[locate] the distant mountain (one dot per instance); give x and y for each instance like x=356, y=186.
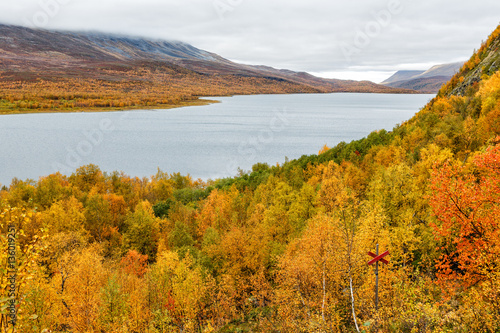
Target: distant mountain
x=442, y=70
x=429, y=85
x=429, y=81
x=402, y=76
x=32, y=55
x=93, y=46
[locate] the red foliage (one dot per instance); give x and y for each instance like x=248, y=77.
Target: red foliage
x=467, y=203
x=135, y=263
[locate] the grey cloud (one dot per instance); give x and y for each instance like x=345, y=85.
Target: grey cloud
x=299, y=35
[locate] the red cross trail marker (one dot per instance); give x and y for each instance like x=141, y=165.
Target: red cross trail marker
x=376, y=258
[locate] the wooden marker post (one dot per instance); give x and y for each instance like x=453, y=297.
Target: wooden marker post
x=376, y=258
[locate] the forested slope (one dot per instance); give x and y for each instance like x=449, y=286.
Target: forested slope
x=281, y=248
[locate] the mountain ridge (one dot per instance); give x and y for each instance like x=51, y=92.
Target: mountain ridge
x=177, y=71
x=425, y=81
x=402, y=75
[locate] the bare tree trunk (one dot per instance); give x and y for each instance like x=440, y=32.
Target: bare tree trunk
x=349, y=247
x=324, y=292
x=352, y=302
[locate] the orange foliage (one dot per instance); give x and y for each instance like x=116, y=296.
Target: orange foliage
x=135, y=263
x=144, y=86
x=324, y=149
x=467, y=204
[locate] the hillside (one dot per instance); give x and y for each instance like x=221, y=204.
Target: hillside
x=484, y=63
x=429, y=81
x=75, y=71
x=429, y=85
x=282, y=248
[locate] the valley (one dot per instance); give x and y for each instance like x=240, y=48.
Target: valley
x=43, y=71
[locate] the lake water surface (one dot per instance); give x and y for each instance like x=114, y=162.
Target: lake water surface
x=209, y=141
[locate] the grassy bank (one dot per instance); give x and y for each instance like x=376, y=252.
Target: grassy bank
x=196, y=102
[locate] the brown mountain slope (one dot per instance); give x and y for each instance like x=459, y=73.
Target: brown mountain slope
x=430, y=85
x=52, y=70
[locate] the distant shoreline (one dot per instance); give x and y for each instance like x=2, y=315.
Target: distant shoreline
x=199, y=101
x=195, y=102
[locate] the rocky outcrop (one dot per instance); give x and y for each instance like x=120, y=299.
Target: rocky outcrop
x=489, y=63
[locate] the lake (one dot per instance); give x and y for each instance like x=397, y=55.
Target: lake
x=209, y=141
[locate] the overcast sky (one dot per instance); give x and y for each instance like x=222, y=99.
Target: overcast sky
x=358, y=39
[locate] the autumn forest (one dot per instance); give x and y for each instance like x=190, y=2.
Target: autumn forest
x=280, y=248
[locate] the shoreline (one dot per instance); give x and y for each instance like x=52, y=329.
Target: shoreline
x=199, y=101
x=195, y=102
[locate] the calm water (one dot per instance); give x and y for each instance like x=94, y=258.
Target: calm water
x=205, y=141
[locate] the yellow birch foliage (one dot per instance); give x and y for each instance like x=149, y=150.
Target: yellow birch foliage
x=19, y=268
